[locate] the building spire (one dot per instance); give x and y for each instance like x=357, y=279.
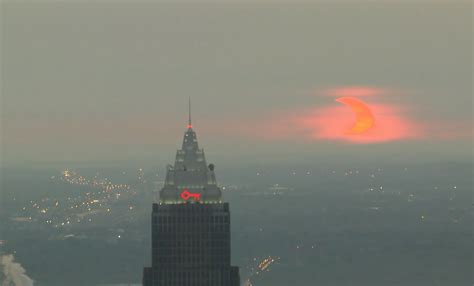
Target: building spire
x=190, y=125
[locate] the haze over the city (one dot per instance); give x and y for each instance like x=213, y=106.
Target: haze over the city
x=110, y=81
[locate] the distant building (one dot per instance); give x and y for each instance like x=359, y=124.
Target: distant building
x=190, y=225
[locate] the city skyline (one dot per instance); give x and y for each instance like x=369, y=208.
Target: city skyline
x=338, y=134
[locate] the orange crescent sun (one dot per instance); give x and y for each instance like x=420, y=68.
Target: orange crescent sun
x=364, y=117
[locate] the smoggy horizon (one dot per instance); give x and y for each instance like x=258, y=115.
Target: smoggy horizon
x=109, y=82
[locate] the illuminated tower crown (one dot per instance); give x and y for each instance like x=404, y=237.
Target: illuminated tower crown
x=190, y=179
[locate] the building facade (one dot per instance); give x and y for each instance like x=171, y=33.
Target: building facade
x=191, y=225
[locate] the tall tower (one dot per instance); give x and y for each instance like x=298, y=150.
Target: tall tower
x=190, y=225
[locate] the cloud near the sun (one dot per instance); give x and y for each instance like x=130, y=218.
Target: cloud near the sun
x=332, y=122
x=352, y=91
x=326, y=123
x=329, y=120
x=320, y=119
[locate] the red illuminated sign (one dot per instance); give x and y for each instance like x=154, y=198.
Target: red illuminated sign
x=186, y=195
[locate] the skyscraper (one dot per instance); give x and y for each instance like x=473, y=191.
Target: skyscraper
x=190, y=225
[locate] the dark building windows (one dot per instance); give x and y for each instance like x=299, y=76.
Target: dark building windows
x=191, y=246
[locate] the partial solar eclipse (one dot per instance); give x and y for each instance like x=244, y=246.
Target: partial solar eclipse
x=364, y=117
x=372, y=120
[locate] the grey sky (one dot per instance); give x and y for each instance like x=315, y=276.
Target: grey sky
x=110, y=81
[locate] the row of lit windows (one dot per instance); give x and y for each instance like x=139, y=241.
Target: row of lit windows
x=182, y=187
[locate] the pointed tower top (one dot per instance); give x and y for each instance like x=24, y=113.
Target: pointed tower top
x=190, y=125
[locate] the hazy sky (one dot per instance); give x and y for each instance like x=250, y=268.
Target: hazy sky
x=110, y=81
